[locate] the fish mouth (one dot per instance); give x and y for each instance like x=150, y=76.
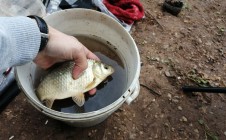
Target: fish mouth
x=112, y=70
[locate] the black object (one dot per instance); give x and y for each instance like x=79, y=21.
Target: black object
x=77, y=4
x=43, y=29
x=204, y=89
x=6, y=78
x=46, y=2
x=173, y=6
x=10, y=92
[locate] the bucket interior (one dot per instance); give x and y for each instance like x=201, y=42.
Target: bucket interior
x=87, y=23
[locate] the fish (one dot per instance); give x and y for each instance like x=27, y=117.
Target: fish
x=59, y=83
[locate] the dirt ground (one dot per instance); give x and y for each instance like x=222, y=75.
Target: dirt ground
x=189, y=49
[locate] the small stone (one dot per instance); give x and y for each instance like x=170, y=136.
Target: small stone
x=156, y=136
x=172, y=129
x=175, y=100
x=166, y=124
x=132, y=136
x=165, y=46
x=141, y=132
x=157, y=58
x=176, y=35
x=199, y=40
x=177, y=97
x=218, y=78
x=144, y=42
x=208, y=43
x=186, y=21
x=167, y=73
x=11, y=137
x=169, y=95
x=46, y=122
x=153, y=58
x=216, y=84
x=134, y=115
x=180, y=108
x=225, y=133
x=196, y=131
x=190, y=29
x=89, y=134
x=184, y=119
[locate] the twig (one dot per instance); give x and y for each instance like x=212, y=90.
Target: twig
x=155, y=20
x=222, y=97
x=151, y=90
x=104, y=136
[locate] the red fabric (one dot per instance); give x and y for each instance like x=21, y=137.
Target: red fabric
x=126, y=10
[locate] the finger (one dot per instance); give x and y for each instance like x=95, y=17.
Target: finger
x=91, y=55
x=93, y=91
x=80, y=64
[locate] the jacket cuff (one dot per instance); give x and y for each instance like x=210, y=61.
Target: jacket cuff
x=26, y=39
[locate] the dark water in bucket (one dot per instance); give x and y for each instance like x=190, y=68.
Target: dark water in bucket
x=109, y=90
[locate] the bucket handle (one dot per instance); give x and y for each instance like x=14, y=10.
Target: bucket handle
x=134, y=94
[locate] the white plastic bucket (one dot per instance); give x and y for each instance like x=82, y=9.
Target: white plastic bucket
x=87, y=22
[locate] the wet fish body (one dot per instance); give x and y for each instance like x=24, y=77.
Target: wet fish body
x=59, y=84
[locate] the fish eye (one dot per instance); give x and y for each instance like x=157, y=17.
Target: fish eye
x=106, y=67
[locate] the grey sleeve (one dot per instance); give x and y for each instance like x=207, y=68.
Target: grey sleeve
x=19, y=41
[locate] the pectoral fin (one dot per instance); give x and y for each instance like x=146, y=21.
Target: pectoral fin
x=79, y=99
x=92, y=84
x=48, y=103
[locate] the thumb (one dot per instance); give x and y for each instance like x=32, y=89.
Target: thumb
x=80, y=65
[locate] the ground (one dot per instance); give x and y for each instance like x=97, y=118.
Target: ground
x=176, y=51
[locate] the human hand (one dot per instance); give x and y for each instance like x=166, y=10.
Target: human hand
x=62, y=47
